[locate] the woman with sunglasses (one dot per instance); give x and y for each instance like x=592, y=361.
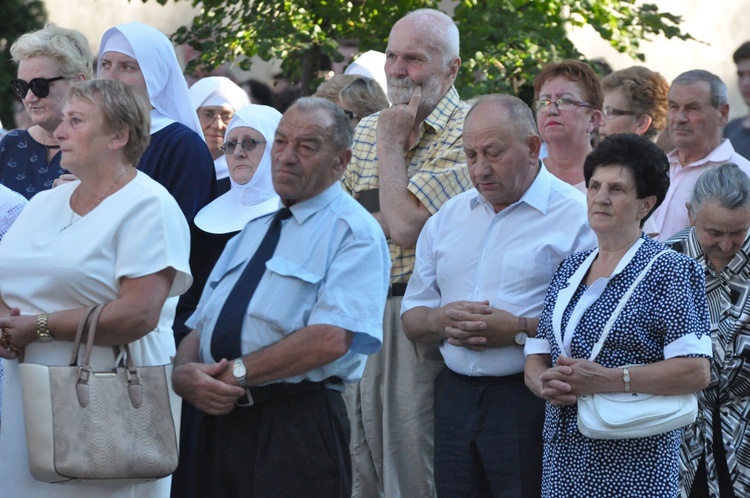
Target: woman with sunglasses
x=49, y=61
x=567, y=102
x=358, y=96
x=215, y=99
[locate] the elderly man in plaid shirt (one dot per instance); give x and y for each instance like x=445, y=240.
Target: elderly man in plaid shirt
x=407, y=162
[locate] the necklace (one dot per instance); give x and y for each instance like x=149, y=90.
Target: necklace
x=74, y=200
x=48, y=147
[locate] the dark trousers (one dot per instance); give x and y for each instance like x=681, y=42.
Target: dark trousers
x=296, y=446
x=488, y=437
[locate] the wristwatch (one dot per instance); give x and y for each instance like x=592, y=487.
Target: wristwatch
x=240, y=372
x=521, y=336
x=42, y=332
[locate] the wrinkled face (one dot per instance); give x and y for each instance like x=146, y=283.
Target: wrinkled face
x=121, y=67
x=694, y=124
x=243, y=164
x=412, y=59
x=743, y=77
x=304, y=160
x=214, y=120
x=721, y=231
x=44, y=112
x=501, y=163
x=613, y=203
x=618, y=122
x=83, y=141
x=562, y=126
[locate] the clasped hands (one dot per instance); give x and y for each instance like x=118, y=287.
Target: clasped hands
x=16, y=333
x=570, y=378
x=210, y=387
x=477, y=325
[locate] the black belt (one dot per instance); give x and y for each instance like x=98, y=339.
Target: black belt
x=262, y=394
x=397, y=290
x=490, y=379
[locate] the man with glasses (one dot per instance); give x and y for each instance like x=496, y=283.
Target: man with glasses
x=698, y=111
x=407, y=161
x=283, y=323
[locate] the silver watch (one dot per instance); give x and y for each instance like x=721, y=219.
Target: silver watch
x=240, y=373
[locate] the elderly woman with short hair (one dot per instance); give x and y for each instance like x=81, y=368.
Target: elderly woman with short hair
x=49, y=61
x=719, y=239
x=658, y=344
x=635, y=101
x=114, y=236
x=358, y=96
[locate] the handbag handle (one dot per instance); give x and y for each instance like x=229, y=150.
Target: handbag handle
x=79, y=333
x=85, y=372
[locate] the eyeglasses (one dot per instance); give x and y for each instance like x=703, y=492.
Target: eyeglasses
x=248, y=145
x=38, y=86
x=610, y=112
x=210, y=116
x=350, y=114
x=563, y=104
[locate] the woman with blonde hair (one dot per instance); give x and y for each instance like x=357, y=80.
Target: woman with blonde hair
x=49, y=61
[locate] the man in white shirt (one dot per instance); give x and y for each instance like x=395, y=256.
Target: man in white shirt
x=698, y=111
x=484, y=262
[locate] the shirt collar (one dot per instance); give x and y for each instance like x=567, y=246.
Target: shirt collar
x=440, y=116
x=536, y=196
x=305, y=209
x=721, y=154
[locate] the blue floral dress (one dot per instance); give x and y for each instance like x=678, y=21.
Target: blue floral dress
x=23, y=164
x=668, y=304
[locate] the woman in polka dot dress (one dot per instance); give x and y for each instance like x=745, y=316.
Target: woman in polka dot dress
x=663, y=329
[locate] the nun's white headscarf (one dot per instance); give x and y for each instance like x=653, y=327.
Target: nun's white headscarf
x=218, y=90
x=166, y=85
x=243, y=203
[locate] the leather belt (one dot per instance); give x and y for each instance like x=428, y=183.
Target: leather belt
x=397, y=290
x=279, y=390
x=489, y=379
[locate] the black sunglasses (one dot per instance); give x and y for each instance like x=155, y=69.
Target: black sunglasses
x=38, y=86
x=248, y=145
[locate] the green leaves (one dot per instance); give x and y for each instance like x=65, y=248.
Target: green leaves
x=504, y=43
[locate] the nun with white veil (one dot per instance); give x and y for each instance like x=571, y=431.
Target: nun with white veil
x=215, y=99
x=177, y=157
x=247, y=141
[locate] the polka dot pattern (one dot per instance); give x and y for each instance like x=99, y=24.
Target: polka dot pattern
x=668, y=304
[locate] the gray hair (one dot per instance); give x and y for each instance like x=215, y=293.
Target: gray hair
x=519, y=113
x=67, y=46
x=440, y=28
x=719, y=95
x=340, y=130
x=726, y=185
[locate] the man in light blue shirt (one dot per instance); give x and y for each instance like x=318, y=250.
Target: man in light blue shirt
x=276, y=423
x=484, y=263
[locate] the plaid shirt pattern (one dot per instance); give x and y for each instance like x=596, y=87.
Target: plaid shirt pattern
x=436, y=167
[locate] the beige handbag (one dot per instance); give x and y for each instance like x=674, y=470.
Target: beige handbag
x=119, y=425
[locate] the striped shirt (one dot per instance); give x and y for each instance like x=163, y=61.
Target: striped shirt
x=436, y=166
x=729, y=388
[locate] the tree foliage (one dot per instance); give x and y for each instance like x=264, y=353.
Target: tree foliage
x=503, y=42
x=19, y=17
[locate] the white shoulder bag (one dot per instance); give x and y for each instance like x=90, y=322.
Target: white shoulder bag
x=629, y=415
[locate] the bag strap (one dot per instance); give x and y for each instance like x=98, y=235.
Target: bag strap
x=91, y=333
x=79, y=334
x=623, y=301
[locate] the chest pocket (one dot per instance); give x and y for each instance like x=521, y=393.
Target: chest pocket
x=525, y=273
x=286, y=295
